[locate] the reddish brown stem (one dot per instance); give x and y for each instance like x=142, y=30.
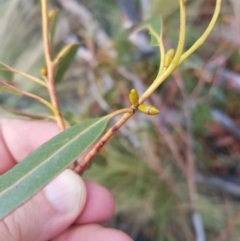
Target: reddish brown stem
x=50, y=66
x=83, y=165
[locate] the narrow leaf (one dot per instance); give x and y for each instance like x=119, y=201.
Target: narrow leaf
x=26, y=114
x=14, y=90
x=5, y=87
x=64, y=59
x=30, y=77
x=36, y=170
x=154, y=25
x=53, y=17
x=6, y=75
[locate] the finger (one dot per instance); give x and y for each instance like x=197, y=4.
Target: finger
x=92, y=232
x=48, y=213
x=99, y=206
x=24, y=136
x=18, y=138
x=7, y=160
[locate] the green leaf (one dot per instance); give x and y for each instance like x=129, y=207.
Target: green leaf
x=6, y=74
x=24, y=114
x=100, y=160
x=53, y=17
x=64, y=59
x=36, y=170
x=156, y=25
x=153, y=25
x=6, y=88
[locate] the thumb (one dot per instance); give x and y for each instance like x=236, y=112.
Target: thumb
x=48, y=213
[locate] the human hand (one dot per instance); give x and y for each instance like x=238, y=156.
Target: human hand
x=67, y=209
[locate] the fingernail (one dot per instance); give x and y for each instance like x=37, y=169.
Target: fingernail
x=66, y=193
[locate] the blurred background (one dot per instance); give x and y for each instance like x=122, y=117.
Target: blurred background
x=175, y=176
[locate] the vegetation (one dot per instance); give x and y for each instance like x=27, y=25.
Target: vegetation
x=163, y=170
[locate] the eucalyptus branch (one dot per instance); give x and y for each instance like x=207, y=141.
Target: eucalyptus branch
x=203, y=38
x=159, y=80
x=87, y=132
x=164, y=72
x=50, y=66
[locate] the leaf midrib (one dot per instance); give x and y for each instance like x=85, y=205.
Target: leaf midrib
x=51, y=156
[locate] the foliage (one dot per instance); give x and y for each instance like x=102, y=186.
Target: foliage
x=37, y=169
x=146, y=171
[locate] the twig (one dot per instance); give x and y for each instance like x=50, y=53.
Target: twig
x=175, y=62
x=83, y=165
x=30, y=95
x=202, y=39
x=27, y=76
x=158, y=81
x=50, y=65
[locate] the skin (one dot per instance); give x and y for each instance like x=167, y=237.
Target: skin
x=77, y=219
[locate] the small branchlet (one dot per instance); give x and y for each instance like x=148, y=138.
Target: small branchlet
x=169, y=62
